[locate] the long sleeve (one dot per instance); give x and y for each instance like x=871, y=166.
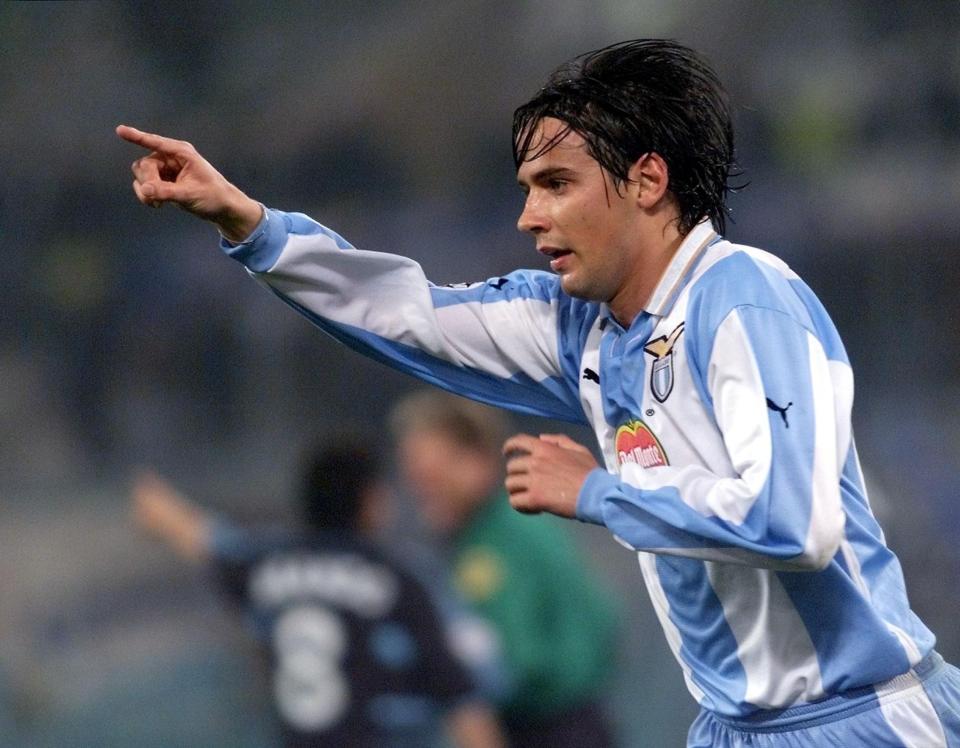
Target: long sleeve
x=495, y=341
x=782, y=412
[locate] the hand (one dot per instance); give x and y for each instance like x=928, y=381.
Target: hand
x=173, y=172
x=162, y=512
x=546, y=473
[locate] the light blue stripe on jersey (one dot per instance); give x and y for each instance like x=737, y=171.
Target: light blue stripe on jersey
x=624, y=385
x=520, y=284
x=659, y=519
x=704, y=633
x=737, y=281
x=833, y=601
x=829, y=601
x=823, y=326
x=878, y=566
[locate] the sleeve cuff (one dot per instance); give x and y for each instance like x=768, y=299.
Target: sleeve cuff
x=598, y=485
x=261, y=250
x=224, y=540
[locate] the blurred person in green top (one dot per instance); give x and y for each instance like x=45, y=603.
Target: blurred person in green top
x=524, y=574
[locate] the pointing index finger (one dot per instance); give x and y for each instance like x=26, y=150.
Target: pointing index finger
x=148, y=140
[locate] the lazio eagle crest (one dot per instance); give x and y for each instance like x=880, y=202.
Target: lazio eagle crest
x=661, y=374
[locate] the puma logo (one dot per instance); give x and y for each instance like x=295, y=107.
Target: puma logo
x=782, y=411
x=499, y=283
x=591, y=376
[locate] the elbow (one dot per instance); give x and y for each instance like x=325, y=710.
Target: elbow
x=817, y=558
x=819, y=550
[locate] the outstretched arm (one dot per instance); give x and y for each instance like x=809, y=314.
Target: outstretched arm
x=162, y=512
x=173, y=172
x=502, y=342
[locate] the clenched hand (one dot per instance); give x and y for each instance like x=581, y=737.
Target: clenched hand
x=546, y=473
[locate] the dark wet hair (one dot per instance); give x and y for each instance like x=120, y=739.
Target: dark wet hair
x=336, y=474
x=637, y=97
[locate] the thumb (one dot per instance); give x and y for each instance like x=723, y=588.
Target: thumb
x=161, y=192
x=564, y=441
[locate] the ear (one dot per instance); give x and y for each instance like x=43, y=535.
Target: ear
x=651, y=177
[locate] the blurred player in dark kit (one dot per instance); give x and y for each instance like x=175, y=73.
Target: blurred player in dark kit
x=358, y=653
x=555, y=623
x=716, y=384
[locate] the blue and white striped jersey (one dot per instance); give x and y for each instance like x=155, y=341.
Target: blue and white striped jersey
x=723, y=413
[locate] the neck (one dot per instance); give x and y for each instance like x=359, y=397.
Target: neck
x=651, y=263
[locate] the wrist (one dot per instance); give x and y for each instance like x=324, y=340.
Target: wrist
x=240, y=217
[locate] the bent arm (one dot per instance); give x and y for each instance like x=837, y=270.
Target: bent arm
x=780, y=506
x=495, y=341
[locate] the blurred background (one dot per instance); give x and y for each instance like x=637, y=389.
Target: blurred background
x=128, y=339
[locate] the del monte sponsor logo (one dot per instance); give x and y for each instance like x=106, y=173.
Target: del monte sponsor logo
x=636, y=443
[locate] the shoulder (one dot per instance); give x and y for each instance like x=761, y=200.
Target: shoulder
x=518, y=285
x=735, y=276
x=732, y=275
x=750, y=281
x=532, y=285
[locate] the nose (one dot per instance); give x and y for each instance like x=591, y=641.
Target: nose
x=532, y=218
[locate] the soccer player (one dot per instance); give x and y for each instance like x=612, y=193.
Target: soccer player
x=556, y=625
x=357, y=651
x=717, y=386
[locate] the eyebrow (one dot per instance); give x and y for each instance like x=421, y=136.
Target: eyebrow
x=546, y=174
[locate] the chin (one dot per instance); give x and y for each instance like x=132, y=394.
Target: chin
x=577, y=290
x=570, y=286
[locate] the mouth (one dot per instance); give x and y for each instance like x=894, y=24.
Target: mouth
x=558, y=257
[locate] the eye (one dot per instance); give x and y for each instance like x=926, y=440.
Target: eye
x=556, y=185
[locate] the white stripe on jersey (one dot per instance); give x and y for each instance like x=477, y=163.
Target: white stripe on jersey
x=826, y=512
x=748, y=434
x=779, y=670
x=318, y=275
x=476, y=343
x=648, y=567
x=591, y=395
x=841, y=379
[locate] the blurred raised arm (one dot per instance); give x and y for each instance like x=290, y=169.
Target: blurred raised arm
x=162, y=512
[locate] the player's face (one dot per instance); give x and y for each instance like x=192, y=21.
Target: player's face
x=586, y=226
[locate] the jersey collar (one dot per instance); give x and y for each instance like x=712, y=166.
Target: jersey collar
x=675, y=277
